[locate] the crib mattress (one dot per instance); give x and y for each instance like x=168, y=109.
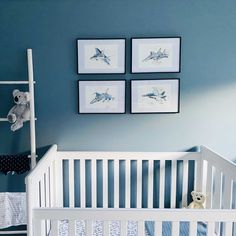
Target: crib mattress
x=114, y=228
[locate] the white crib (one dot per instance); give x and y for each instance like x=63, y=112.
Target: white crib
x=59, y=173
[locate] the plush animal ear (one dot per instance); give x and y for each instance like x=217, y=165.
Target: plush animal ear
x=27, y=96
x=192, y=193
x=15, y=91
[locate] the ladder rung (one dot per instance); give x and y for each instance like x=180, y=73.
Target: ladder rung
x=14, y=232
x=15, y=82
x=5, y=119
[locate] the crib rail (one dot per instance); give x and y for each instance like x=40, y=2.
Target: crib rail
x=158, y=216
x=220, y=176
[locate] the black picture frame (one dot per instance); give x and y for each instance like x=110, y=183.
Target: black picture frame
x=177, y=45
x=103, y=82
x=101, y=41
x=150, y=83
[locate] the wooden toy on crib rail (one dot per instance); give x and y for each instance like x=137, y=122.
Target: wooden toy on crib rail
x=198, y=200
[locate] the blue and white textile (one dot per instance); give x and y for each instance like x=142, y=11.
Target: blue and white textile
x=114, y=228
x=12, y=209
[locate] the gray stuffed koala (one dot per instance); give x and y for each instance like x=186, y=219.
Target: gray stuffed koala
x=21, y=111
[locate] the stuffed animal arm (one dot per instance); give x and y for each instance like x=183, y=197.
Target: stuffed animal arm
x=198, y=200
x=20, y=113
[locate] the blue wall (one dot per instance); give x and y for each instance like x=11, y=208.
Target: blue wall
x=208, y=77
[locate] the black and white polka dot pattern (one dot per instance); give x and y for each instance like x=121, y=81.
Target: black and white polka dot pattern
x=18, y=164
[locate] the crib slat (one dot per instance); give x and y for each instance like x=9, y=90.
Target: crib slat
x=175, y=228
x=59, y=184
x=123, y=228
x=127, y=183
x=150, y=184
x=47, y=188
x=47, y=197
x=54, y=227
x=218, y=190
x=116, y=183
x=94, y=182
x=71, y=183
x=158, y=228
x=52, y=187
x=106, y=228
x=198, y=176
x=89, y=227
x=72, y=230
x=141, y=228
x=162, y=184
x=43, y=200
x=82, y=184
x=173, y=183
x=35, y=189
x=185, y=183
x=139, y=184
x=209, y=186
x=192, y=228
x=228, y=228
x=105, y=183
x=210, y=228
x=38, y=228
x=228, y=193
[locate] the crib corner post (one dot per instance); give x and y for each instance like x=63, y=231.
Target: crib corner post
x=29, y=207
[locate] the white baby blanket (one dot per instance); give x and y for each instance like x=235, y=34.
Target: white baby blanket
x=12, y=209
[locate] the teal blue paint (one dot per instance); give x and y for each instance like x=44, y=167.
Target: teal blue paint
x=208, y=85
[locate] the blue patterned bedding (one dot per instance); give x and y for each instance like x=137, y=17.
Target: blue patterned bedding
x=114, y=228
x=184, y=229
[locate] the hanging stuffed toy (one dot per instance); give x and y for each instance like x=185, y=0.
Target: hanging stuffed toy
x=21, y=111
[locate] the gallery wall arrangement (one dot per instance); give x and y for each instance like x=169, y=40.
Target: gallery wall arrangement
x=51, y=29
x=148, y=55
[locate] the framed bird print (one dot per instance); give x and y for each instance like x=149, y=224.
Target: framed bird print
x=156, y=55
x=155, y=96
x=101, y=96
x=101, y=56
